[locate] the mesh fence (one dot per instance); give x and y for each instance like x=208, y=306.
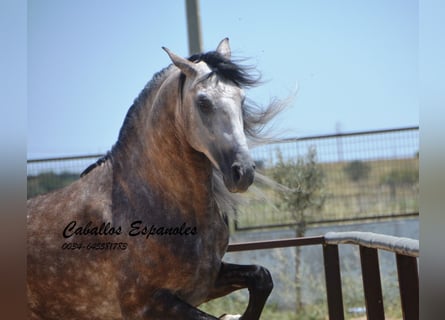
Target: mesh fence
x=366, y=174
x=45, y=175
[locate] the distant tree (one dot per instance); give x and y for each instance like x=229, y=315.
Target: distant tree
x=357, y=170
x=305, y=180
x=399, y=178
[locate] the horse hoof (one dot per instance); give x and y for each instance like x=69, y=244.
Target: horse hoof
x=230, y=317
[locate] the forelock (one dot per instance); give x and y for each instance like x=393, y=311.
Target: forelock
x=227, y=69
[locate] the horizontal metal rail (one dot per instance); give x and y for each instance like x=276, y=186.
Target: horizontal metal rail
x=347, y=134
x=404, y=246
x=284, y=140
x=331, y=221
x=400, y=245
x=273, y=244
x=66, y=158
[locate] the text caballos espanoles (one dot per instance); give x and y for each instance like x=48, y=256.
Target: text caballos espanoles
x=137, y=228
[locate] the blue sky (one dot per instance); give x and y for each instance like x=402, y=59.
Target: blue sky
x=355, y=63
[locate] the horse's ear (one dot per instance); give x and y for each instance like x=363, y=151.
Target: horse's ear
x=224, y=48
x=185, y=65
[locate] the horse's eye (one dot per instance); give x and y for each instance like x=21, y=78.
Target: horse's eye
x=204, y=105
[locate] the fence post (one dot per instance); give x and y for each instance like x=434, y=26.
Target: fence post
x=408, y=286
x=372, y=285
x=333, y=282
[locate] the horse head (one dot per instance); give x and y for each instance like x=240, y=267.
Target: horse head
x=211, y=109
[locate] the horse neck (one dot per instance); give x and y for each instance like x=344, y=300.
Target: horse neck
x=157, y=155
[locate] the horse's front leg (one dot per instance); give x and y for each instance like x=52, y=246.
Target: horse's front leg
x=255, y=278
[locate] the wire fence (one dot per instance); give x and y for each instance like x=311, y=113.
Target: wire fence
x=45, y=175
x=365, y=175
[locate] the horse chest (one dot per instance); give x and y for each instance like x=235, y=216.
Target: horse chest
x=186, y=264
x=200, y=262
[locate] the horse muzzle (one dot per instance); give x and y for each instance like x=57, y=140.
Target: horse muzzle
x=240, y=175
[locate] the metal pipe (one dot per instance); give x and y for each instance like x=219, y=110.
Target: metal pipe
x=193, y=26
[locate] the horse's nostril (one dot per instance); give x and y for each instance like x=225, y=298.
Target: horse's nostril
x=236, y=173
x=241, y=176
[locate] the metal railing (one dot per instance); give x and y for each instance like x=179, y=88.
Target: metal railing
x=406, y=252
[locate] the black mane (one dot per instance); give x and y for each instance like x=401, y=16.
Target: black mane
x=227, y=69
